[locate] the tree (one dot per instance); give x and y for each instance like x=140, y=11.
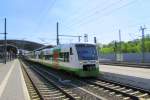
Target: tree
x=127, y=47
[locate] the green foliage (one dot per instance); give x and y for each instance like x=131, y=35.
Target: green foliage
x=147, y=45
x=126, y=47
x=107, y=50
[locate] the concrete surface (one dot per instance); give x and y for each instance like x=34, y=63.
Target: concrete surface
x=139, y=77
x=12, y=85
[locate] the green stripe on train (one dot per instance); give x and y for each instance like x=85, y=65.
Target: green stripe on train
x=77, y=71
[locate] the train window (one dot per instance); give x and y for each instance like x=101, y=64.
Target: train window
x=71, y=53
x=61, y=56
x=51, y=57
x=66, y=57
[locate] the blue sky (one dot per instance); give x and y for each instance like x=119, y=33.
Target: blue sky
x=36, y=19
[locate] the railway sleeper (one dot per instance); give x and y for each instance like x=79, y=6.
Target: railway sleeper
x=34, y=93
x=119, y=95
x=121, y=89
x=134, y=93
x=100, y=88
x=111, y=85
x=34, y=96
x=106, y=90
x=96, y=87
x=112, y=93
x=46, y=88
x=142, y=95
x=69, y=92
x=126, y=98
x=77, y=97
x=53, y=98
x=128, y=90
x=103, y=84
x=36, y=99
x=66, y=99
x=51, y=92
x=115, y=87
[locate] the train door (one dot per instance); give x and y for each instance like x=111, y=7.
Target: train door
x=55, y=58
x=72, y=57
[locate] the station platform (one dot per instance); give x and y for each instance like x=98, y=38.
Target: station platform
x=139, y=77
x=12, y=84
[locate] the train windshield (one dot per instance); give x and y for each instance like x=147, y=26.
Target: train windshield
x=86, y=52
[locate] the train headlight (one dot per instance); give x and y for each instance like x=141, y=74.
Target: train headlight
x=81, y=62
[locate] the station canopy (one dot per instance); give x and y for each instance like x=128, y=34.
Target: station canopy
x=23, y=44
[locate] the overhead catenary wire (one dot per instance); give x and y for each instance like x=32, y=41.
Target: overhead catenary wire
x=80, y=11
x=1, y=25
x=43, y=15
x=105, y=14
x=95, y=12
x=79, y=16
x=132, y=37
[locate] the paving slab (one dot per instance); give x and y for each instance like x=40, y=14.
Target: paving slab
x=4, y=69
x=12, y=84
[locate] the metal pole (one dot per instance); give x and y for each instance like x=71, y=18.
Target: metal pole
x=95, y=40
x=143, y=44
x=5, y=43
x=120, y=51
x=85, y=38
x=57, y=29
x=115, y=50
x=79, y=38
x=120, y=41
x=23, y=47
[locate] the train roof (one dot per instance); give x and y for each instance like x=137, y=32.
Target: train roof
x=44, y=47
x=77, y=43
x=60, y=45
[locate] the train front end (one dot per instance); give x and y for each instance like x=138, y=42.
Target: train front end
x=88, y=60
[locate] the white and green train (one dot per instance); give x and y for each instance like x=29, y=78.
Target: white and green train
x=78, y=58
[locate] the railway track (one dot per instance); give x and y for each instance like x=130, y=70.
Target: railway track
x=102, y=87
x=126, y=92
x=33, y=92
x=75, y=91
x=42, y=88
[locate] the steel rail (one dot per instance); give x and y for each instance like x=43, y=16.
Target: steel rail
x=56, y=86
x=125, y=85
x=105, y=86
x=36, y=89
